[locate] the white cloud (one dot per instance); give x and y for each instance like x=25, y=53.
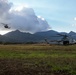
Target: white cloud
x=74, y=22
x=75, y=18
x=22, y=18
x=41, y=17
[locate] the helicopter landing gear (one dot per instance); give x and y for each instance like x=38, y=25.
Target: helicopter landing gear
x=65, y=42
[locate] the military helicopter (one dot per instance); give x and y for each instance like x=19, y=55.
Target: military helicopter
x=6, y=25
x=65, y=39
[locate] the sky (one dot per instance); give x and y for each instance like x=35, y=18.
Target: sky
x=38, y=15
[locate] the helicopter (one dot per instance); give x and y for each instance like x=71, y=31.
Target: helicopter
x=6, y=25
x=65, y=39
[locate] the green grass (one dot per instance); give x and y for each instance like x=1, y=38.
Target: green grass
x=37, y=59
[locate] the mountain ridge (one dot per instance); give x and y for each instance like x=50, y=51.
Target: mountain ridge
x=23, y=37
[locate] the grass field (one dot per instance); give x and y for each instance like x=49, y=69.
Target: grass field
x=37, y=59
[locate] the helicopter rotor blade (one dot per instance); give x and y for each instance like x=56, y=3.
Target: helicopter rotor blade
x=3, y=23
